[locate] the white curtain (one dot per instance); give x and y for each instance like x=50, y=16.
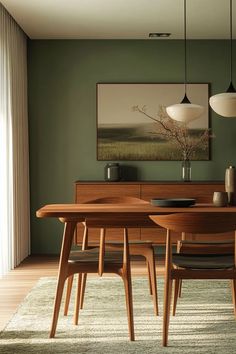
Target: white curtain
x=14, y=155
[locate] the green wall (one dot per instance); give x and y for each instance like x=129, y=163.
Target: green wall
x=62, y=79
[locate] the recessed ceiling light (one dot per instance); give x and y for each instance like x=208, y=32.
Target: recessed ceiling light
x=159, y=35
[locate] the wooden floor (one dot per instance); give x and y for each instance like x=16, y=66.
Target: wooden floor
x=15, y=285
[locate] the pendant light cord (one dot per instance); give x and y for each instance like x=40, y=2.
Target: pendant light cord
x=185, y=50
x=231, y=43
x=231, y=86
x=185, y=99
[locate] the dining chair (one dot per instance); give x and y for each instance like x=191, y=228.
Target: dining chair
x=200, y=247
x=136, y=247
x=194, y=266
x=89, y=261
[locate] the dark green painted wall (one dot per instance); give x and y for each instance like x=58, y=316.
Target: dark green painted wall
x=62, y=113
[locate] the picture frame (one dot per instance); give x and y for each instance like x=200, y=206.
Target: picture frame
x=126, y=130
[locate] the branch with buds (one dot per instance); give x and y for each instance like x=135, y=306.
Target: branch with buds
x=177, y=133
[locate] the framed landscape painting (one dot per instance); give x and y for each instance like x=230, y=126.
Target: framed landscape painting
x=130, y=117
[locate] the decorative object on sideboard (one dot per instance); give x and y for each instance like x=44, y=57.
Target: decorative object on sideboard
x=112, y=172
x=220, y=199
x=185, y=111
x=224, y=104
x=186, y=170
x=230, y=184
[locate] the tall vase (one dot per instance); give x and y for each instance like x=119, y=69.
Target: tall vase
x=186, y=170
x=230, y=184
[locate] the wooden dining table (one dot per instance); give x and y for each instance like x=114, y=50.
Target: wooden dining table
x=133, y=215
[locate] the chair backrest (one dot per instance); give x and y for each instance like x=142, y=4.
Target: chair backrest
x=201, y=247
x=120, y=221
x=197, y=222
x=117, y=200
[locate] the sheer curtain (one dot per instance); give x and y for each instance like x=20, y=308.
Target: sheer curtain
x=14, y=160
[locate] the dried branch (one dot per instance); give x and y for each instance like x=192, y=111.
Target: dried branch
x=175, y=132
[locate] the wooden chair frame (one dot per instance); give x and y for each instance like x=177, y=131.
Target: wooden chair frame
x=68, y=269
x=185, y=246
x=145, y=249
x=200, y=223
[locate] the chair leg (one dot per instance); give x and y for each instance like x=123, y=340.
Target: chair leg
x=101, y=252
x=84, y=278
x=152, y=269
x=233, y=284
x=149, y=278
x=168, y=287
x=129, y=304
x=180, y=287
x=183, y=237
x=176, y=294
x=77, y=299
x=166, y=314
x=68, y=294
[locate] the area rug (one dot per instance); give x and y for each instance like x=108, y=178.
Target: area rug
x=204, y=322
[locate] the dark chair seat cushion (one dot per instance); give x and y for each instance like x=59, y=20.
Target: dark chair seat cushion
x=201, y=261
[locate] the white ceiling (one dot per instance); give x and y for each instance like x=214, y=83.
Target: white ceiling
x=121, y=19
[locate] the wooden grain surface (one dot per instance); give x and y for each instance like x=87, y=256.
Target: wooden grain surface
x=82, y=211
x=202, y=191
x=133, y=216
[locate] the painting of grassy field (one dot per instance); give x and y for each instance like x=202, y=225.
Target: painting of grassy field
x=140, y=142
x=132, y=123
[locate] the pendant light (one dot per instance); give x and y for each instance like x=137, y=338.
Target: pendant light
x=224, y=104
x=185, y=111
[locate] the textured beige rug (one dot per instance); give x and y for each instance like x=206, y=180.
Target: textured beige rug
x=204, y=322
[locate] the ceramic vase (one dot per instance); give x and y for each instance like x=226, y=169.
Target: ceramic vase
x=230, y=185
x=186, y=170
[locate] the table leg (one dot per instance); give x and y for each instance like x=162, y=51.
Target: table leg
x=63, y=271
x=101, y=252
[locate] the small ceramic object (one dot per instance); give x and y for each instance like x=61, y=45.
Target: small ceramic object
x=220, y=199
x=112, y=172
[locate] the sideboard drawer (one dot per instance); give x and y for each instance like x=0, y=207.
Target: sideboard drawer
x=86, y=192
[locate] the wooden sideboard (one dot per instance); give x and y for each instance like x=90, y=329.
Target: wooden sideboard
x=201, y=191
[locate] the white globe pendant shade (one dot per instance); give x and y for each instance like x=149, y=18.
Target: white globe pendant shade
x=185, y=112
x=224, y=104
